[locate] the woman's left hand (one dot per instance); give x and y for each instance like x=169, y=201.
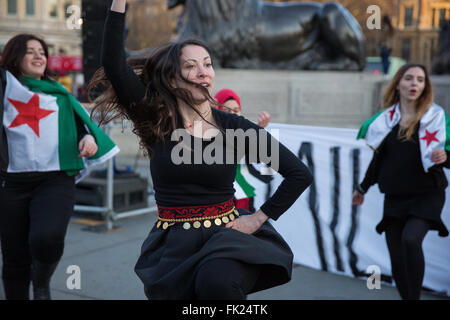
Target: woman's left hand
x=439, y=156
x=263, y=119
x=87, y=146
x=249, y=223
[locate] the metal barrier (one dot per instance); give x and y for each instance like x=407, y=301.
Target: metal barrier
x=108, y=211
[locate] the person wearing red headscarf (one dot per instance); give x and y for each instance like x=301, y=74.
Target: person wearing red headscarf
x=229, y=102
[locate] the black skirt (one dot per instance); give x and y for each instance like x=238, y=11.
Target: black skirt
x=426, y=206
x=170, y=258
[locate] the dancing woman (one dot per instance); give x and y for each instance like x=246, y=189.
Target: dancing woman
x=201, y=247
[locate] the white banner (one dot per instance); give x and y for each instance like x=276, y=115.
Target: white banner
x=323, y=229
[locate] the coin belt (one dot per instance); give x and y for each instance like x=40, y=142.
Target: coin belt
x=199, y=221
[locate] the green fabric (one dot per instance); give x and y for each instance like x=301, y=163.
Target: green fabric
x=366, y=124
x=447, y=131
x=67, y=107
x=248, y=189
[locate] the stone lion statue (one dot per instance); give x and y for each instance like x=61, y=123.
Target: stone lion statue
x=265, y=35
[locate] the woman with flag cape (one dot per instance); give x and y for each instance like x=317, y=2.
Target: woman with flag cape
x=230, y=102
x=411, y=142
x=46, y=140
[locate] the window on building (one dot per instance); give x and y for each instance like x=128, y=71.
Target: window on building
x=408, y=17
x=12, y=6
x=30, y=7
x=432, y=44
x=441, y=16
x=53, y=8
x=51, y=49
x=406, y=49
x=67, y=4
x=433, y=17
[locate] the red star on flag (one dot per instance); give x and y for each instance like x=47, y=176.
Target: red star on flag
x=430, y=137
x=392, y=112
x=29, y=113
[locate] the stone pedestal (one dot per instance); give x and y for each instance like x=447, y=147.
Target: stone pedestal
x=328, y=99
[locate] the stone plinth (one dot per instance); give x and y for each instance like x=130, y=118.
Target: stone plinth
x=329, y=99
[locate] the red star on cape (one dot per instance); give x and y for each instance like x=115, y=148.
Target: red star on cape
x=392, y=112
x=29, y=113
x=430, y=137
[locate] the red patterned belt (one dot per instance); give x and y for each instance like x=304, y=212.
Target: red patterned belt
x=199, y=215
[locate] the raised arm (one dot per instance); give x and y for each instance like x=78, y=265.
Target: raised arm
x=127, y=85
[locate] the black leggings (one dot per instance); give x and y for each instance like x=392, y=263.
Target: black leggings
x=225, y=279
x=404, y=241
x=34, y=214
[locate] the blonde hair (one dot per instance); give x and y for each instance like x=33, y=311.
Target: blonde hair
x=423, y=103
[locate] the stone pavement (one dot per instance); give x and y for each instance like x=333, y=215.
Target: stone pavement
x=106, y=262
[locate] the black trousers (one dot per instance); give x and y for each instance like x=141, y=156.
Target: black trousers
x=35, y=210
x=225, y=279
x=404, y=240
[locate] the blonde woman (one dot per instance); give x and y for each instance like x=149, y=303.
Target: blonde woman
x=411, y=139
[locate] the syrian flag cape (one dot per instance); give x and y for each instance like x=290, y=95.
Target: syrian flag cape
x=39, y=120
x=243, y=189
x=434, y=130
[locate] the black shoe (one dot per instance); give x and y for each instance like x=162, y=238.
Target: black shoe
x=16, y=289
x=41, y=274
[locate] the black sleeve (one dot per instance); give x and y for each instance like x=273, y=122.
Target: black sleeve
x=446, y=164
x=297, y=177
x=371, y=174
x=127, y=85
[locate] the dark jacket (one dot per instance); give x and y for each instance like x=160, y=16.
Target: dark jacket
x=3, y=141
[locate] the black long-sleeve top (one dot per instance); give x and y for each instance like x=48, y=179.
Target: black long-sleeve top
x=397, y=168
x=196, y=184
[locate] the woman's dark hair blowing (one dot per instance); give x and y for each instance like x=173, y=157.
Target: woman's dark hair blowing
x=156, y=115
x=14, y=51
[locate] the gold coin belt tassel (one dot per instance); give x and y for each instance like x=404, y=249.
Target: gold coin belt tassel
x=196, y=223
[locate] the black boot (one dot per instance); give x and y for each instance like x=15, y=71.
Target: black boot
x=41, y=274
x=16, y=289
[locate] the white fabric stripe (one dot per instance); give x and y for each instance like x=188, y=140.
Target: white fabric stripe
x=239, y=193
x=90, y=163
x=27, y=151
x=381, y=126
x=433, y=120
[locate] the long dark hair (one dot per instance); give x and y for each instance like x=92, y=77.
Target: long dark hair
x=156, y=115
x=423, y=103
x=14, y=51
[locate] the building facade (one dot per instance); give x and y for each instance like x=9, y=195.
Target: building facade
x=48, y=19
x=417, y=27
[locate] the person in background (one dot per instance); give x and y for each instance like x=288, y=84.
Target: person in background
x=45, y=139
x=65, y=80
x=411, y=139
x=230, y=102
